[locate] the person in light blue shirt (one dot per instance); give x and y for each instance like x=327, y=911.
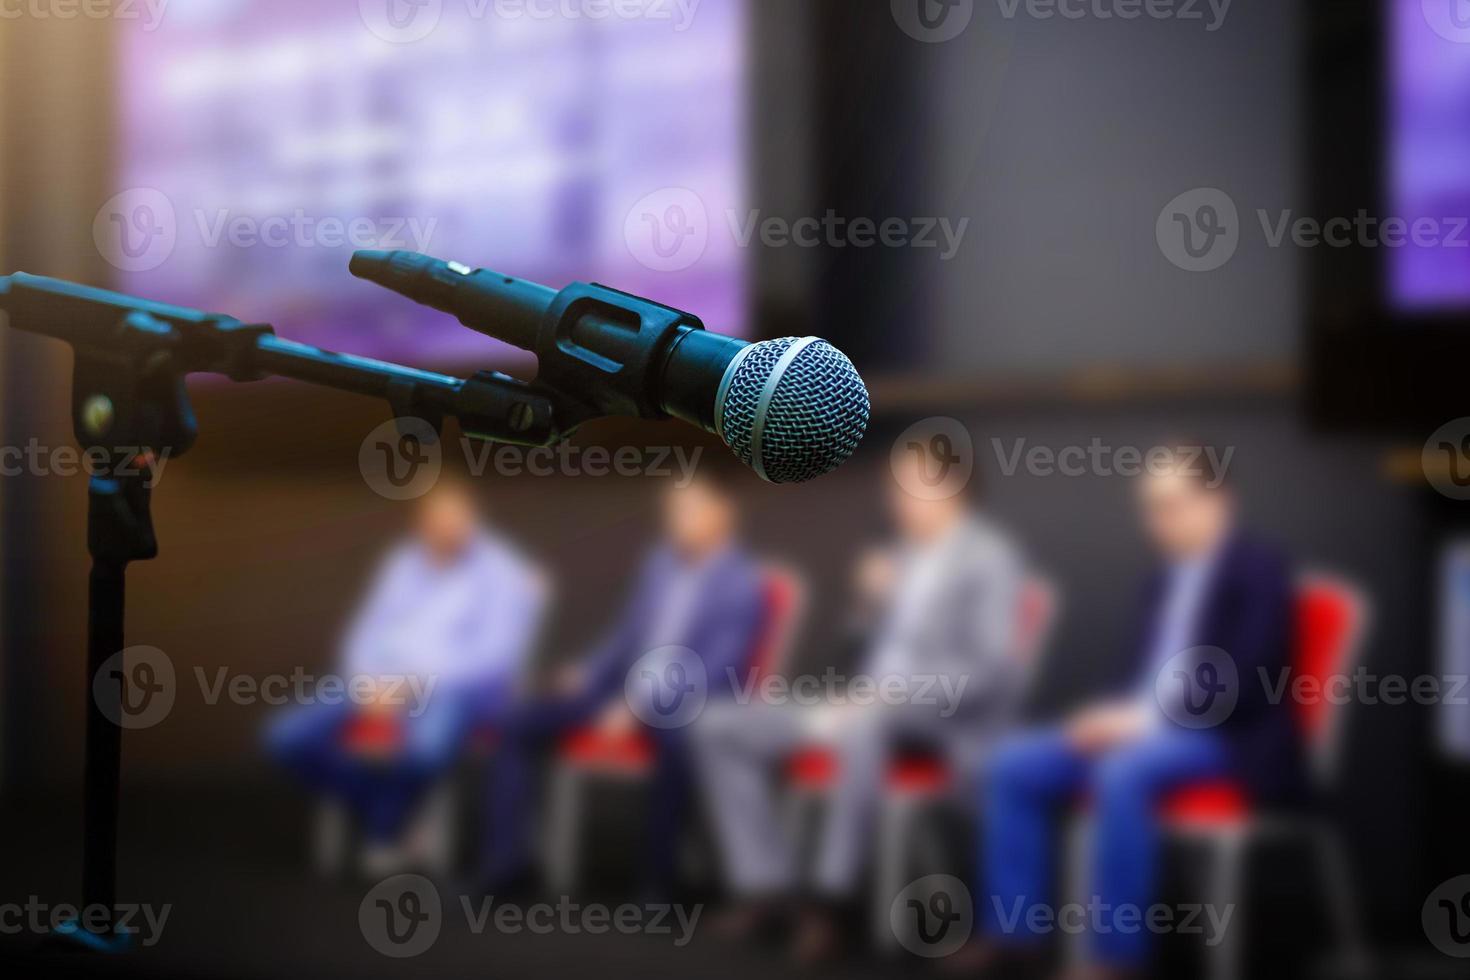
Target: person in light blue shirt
x=438, y=647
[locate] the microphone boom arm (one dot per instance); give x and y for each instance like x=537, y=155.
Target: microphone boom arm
x=130, y=350
x=129, y=401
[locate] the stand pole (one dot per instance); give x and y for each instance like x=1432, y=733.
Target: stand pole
x=119, y=530
x=104, y=739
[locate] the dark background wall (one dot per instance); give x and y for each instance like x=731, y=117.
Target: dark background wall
x=1062, y=140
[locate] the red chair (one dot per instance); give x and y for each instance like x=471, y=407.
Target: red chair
x=588, y=754
x=811, y=770
x=433, y=827
x=916, y=782
x=913, y=781
x=372, y=734
x=1331, y=616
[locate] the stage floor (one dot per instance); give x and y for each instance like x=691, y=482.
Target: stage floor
x=230, y=862
x=231, y=865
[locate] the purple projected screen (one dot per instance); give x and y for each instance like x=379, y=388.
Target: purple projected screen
x=1429, y=155
x=264, y=141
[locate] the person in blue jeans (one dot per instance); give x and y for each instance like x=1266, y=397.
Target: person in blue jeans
x=1216, y=613
x=699, y=590
x=438, y=646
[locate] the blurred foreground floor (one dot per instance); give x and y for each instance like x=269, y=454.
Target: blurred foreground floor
x=234, y=868
x=232, y=863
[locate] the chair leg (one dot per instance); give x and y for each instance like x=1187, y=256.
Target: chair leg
x=932, y=851
x=563, y=862
x=895, y=819
x=1075, y=882
x=439, y=826
x=1226, y=891
x=330, y=838
x=1342, y=900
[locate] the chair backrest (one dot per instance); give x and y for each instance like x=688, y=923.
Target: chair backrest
x=785, y=604
x=372, y=733
x=1331, y=618
x=1038, y=605
x=1038, y=602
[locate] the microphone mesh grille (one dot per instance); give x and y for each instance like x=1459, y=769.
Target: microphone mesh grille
x=816, y=416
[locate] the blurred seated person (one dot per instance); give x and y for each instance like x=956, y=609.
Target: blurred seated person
x=699, y=589
x=1217, y=586
x=438, y=646
x=938, y=611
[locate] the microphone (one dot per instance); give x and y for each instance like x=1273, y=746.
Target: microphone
x=791, y=409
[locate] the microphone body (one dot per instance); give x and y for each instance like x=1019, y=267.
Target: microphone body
x=792, y=409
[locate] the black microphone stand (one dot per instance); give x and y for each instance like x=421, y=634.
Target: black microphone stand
x=129, y=402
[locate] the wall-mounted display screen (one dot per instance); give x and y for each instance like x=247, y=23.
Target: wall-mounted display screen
x=263, y=142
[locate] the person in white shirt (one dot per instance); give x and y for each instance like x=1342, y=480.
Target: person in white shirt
x=438, y=646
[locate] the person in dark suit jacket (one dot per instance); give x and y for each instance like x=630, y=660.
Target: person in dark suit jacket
x=697, y=608
x=1217, y=613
